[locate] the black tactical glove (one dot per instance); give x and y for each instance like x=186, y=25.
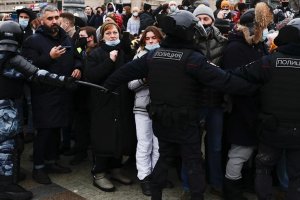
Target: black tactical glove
x=44, y=77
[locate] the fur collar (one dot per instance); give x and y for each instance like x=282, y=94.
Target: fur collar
x=263, y=17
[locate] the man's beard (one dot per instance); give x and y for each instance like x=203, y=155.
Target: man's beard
x=54, y=29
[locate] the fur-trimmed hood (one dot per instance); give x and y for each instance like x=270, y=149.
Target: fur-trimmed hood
x=263, y=17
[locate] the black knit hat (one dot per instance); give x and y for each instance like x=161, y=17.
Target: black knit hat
x=247, y=19
x=289, y=33
x=147, y=6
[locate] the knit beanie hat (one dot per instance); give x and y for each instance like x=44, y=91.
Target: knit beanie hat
x=225, y=3
x=204, y=10
x=199, y=2
x=247, y=19
x=147, y=6
x=289, y=33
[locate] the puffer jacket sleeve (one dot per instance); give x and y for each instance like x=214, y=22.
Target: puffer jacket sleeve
x=136, y=85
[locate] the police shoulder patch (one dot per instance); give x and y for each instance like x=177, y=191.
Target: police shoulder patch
x=288, y=62
x=168, y=54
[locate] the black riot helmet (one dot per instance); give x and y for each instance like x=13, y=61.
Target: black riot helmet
x=181, y=24
x=289, y=33
x=10, y=33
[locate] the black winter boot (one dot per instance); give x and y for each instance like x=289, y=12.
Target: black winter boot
x=233, y=189
x=12, y=191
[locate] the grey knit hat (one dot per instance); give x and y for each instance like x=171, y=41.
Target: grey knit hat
x=204, y=10
x=199, y=2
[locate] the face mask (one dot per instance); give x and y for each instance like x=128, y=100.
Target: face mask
x=200, y=30
x=265, y=34
x=135, y=14
x=152, y=46
x=185, y=7
x=111, y=9
x=23, y=22
x=205, y=26
x=209, y=30
x=112, y=43
x=124, y=12
x=173, y=8
x=81, y=42
x=285, y=4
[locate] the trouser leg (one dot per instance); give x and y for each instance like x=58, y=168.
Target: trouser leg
x=266, y=158
x=160, y=171
x=192, y=160
x=237, y=156
x=144, y=145
x=103, y=164
x=45, y=146
x=213, y=155
x=293, y=170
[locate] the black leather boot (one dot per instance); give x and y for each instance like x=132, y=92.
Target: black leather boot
x=145, y=185
x=12, y=191
x=233, y=189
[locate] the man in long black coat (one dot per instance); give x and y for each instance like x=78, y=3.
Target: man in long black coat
x=51, y=106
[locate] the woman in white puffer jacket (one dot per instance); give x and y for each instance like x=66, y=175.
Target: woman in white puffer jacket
x=147, y=145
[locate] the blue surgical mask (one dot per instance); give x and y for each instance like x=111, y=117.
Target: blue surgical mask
x=173, y=9
x=265, y=34
x=112, y=43
x=152, y=46
x=23, y=22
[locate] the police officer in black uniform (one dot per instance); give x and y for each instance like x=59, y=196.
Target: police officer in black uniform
x=14, y=69
x=175, y=72
x=280, y=117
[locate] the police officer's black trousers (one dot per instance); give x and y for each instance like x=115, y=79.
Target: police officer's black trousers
x=191, y=158
x=266, y=159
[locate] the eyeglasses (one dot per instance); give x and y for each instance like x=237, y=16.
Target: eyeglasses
x=51, y=18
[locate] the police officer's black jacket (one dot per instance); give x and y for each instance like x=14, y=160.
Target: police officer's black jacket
x=175, y=72
x=280, y=107
x=195, y=66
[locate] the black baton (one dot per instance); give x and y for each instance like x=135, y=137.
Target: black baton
x=95, y=86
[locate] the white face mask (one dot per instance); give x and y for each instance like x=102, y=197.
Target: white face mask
x=124, y=12
x=152, y=46
x=173, y=9
x=265, y=34
x=135, y=14
x=112, y=43
x=23, y=22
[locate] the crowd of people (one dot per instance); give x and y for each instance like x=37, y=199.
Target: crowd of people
x=172, y=76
